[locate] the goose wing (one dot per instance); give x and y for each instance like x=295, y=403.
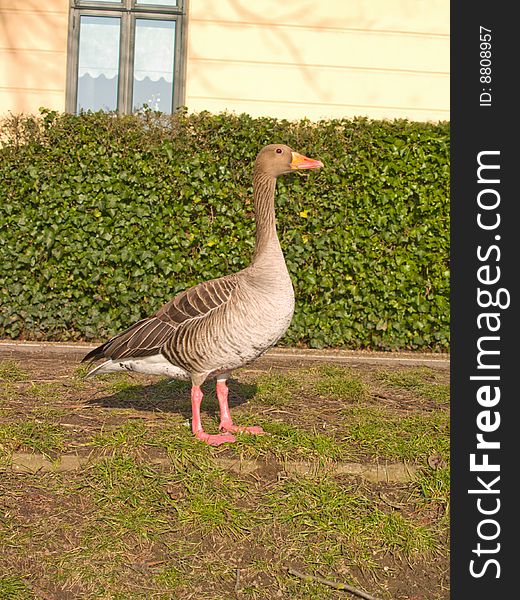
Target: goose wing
x=146, y=337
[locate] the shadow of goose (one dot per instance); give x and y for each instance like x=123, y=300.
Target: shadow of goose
x=172, y=397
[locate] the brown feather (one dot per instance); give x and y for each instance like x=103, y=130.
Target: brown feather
x=146, y=337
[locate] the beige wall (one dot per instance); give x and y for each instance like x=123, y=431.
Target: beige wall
x=33, y=54
x=320, y=58
x=290, y=58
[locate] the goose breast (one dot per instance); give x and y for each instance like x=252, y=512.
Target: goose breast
x=258, y=314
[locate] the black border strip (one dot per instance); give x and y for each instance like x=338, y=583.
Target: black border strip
x=483, y=128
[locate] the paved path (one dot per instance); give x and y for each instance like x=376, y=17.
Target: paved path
x=275, y=356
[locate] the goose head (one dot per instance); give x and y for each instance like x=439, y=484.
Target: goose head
x=277, y=159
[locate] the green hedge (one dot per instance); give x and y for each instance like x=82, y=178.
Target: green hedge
x=105, y=217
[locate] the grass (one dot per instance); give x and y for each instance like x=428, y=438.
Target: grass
x=331, y=526
x=96, y=565
x=129, y=526
x=432, y=487
x=10, y=370
x=43, y=391
x=170, y=576
x=130, y=495
x=285, y=440
x=275, y=389
x=419, y=380
x=379, y=432
x=13, y=588
x=207, y=507
x=39, y=436
x=135, y=497
x=184, y=451
x=335, y=509
x=132, y=434
x=318, y=506
x=340, y=384
x=120, y=383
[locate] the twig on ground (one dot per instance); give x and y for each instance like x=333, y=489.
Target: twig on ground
x=237, y=582
x=338, y=586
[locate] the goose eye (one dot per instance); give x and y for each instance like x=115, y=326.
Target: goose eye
x=278, y=151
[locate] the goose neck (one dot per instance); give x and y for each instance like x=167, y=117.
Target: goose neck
x=263, y=194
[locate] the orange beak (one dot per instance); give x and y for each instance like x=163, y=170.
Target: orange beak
x=302, y=162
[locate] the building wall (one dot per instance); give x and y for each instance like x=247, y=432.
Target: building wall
x=291, y=59
x=329, y=58
x=33, y=54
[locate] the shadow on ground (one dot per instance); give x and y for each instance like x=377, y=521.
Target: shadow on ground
x=172, y=397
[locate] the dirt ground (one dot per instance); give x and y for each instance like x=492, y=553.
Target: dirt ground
x=104, y=493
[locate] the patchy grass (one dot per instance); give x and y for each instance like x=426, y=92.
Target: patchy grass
x=14, y=588
x=432, y=487
x=132, y=434
x=285, y=440
x=275, y=389
x=120, y=384
x=153, y=513
x=80, y=371
x=170, y=576
x=40, y=436
x=340, y=384
x=10, y=370
x=130, y=495
x=209, y=499
x=334, y=508
x=379, y=432
x=44, y=392
x=419, y=380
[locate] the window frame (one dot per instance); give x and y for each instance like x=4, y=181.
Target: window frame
x=128, y=11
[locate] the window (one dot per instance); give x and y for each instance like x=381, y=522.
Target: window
x=124, y=55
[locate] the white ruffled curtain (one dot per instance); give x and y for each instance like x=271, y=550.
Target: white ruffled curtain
x=98, y=70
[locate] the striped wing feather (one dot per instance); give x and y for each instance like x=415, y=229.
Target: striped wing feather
x=147, y=337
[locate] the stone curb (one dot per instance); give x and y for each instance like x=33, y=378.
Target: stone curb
x=399, y=472
x=283, y=355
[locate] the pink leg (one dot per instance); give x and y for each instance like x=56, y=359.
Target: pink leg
x=226, y=424
x=196, y=424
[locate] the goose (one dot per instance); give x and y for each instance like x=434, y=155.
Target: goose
x=219, y=325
